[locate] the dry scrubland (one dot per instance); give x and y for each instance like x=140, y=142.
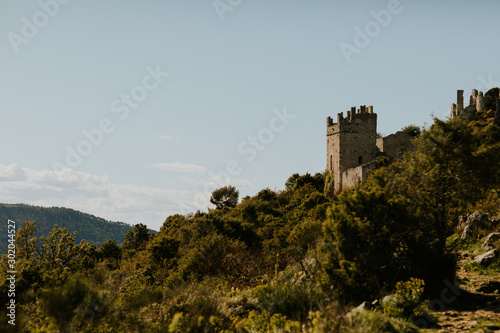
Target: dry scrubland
x=378, y=258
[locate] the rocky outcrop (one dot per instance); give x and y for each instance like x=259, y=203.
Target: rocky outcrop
x=490, y=241
x=487, y=258
x=469, y=224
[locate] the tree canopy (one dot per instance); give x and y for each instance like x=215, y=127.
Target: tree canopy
x=226, y=196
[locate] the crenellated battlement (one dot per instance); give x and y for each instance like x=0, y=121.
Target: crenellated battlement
x=353, y=119
x=352, y=145
x=478, y=102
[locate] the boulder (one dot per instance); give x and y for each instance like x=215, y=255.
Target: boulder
x=466, y=232
x=471, y=223
x=486, y=258
x=392, y=300
x=360, y=308
x=490, y=240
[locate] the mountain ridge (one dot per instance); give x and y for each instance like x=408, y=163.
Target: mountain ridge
x=93, y=229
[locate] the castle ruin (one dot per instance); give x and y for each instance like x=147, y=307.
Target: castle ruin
x=352, y=146
x=478, y=102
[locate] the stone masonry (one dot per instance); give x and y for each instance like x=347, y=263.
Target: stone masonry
x=478, y=102
x=352, y=146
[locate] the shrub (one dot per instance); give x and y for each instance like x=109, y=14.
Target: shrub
x=406, y=300
x=372, y=240
x=266, y=323
x=61, y=302
x=294, y=299
x=376, y=322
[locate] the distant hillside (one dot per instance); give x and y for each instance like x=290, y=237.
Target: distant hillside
x=89, y=227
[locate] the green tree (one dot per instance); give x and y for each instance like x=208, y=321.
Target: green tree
x=61, y=302
x=329, y=189
x=290, y=182
x=26, y=243
x=57, y=255
x=136, y=239
x=372, y=241
x=226, y=196
x=452, y=157
x=163, y=247
x=296, y=181
x=88, y=255
x=412, y=130
x=110, y=249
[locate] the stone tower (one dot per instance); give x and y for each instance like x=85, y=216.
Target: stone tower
x=351, y=142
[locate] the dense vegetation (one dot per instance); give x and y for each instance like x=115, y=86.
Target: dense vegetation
x=93, y=229
x=281, y=261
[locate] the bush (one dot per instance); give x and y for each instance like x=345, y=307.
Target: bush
x=407, y=299
x=61, y=302
x=266, y=323
x=294, y=299
x=217, y=256
x=376, y=322
x=372, y=240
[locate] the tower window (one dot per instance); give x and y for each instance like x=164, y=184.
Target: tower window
x=360, y=159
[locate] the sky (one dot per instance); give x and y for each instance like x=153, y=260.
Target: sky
x=137, y=110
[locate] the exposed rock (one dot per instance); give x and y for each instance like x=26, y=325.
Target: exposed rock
x=392, y=300
x=360, y=308
x=467, y=232
x=486, y=258
x=490, y=240
x=472, y=223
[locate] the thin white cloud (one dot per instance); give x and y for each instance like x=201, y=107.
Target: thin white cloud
x=12, y=172
x=180, y=167
x=95, y=195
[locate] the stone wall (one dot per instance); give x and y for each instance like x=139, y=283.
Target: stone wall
x=477, y=103
x=354, y=176
x=352, y=146
x=351, y=141
x=394, y=145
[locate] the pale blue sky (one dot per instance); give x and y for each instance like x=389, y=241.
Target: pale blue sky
x=225, y=79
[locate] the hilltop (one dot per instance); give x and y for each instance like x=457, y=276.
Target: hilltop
x=93, y=229
x=414, y=246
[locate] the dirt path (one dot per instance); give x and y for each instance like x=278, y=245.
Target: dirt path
x=477, y=309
